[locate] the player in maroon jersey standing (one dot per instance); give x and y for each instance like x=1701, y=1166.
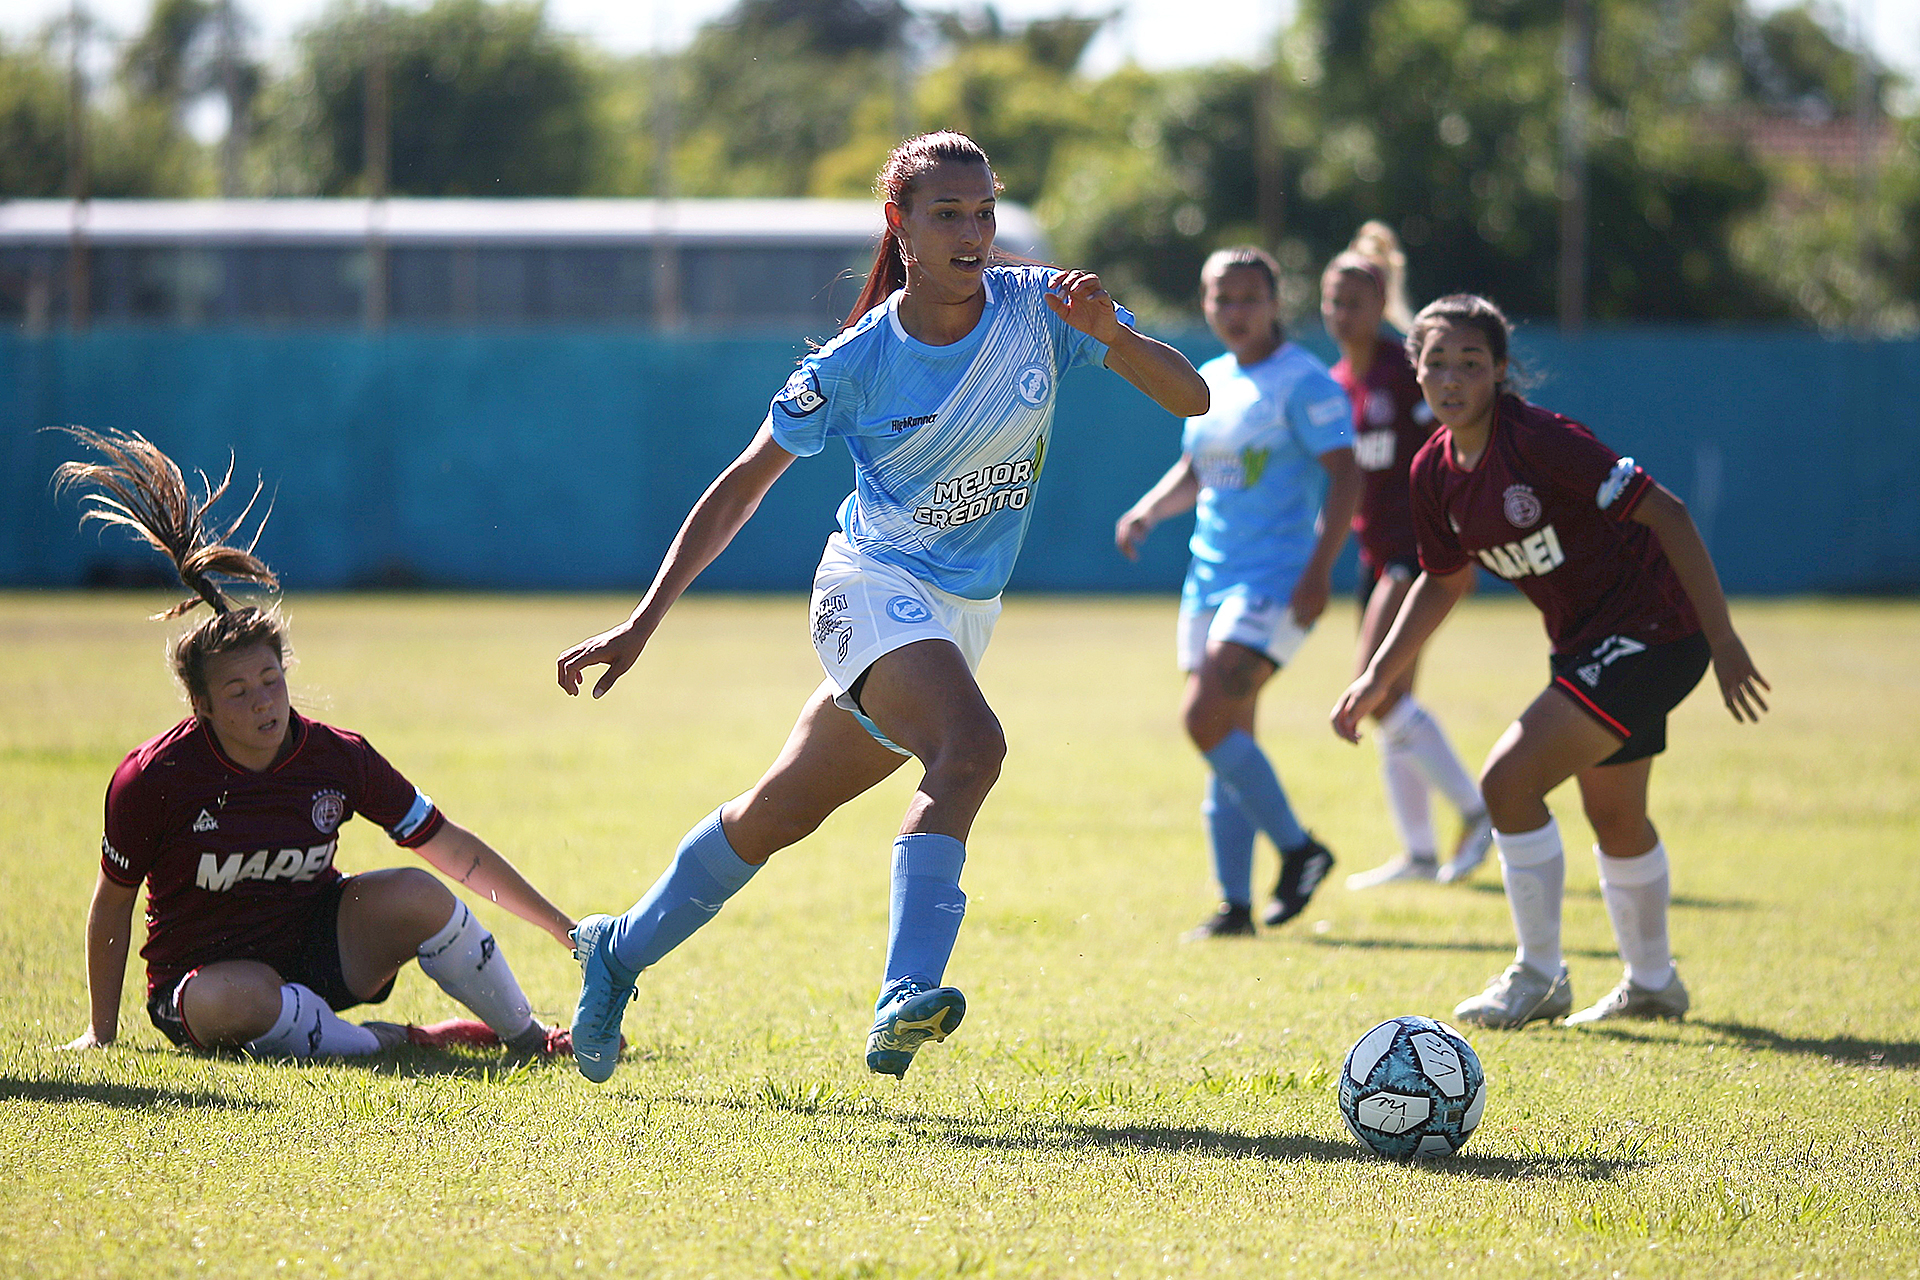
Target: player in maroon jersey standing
x=1361, y=288
x=254, y=939
x=1634, y=612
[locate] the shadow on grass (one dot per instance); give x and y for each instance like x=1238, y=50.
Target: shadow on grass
x=1016, y=1132
x=1691, y=901
x=1418, y=944
x=129, y=1097
x=1847, y=1051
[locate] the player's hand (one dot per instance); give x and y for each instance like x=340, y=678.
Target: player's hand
x=1740, y=681
x=616, y=650
x=1078, y=298
x=1129, y=532
x=84, y=1041
x=1360, y=700
x=1309, y=599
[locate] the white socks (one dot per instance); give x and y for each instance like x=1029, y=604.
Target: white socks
x=1534, y=869
x=307, y=1028
x=464, y=959
x=1415, y=754
x=1636, y=891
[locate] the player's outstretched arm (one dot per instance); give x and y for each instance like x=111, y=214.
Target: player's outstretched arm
x=1168, y=377
x=463, y=857
x=109, y=937
x=1740, y=681
x=1421, y=614
x=726, y=505
x=1173, y=493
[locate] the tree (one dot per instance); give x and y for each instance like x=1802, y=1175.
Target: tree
x=486, y=100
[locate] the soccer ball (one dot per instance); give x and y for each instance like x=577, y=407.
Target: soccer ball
x=1412, y=1087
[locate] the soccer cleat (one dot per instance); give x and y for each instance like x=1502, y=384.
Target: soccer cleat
x=1476, y=837
x=1232, y=920
x=914, y=1016
x=1404, y=867
x=454, y=1033
x=605, y=987
x=391, y=1035
x=1301, y=871
x=1516, y=997
x=1631, y=1000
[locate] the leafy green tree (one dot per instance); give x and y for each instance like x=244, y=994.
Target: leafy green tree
x=485, y=100
x=33, y=123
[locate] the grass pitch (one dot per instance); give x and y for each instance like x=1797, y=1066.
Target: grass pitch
x=1117, y=1104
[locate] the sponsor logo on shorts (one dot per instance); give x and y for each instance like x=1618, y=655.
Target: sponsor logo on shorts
x=1591, y=674
x=907, y=609
x=1521, y=507
x=801, y=396
x=1534, y=555
x=1614, y=648
x=1034, y=384
x=830, y=621
x=217, y=874
x=965, y=498
x=329, y=811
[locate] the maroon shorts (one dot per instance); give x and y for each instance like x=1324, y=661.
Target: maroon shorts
x=1629, y=686
x=316, y=966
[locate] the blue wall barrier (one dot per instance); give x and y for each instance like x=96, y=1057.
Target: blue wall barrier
x=545, y=460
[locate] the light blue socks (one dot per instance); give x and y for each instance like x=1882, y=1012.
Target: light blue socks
x=705, y=873
x=1247, y=776
x=1230, y=836
x=924, y=916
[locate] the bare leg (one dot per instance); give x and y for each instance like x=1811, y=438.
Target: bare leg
x=231, y=1002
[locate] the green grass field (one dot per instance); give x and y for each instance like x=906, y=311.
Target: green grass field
x=1118, y=1104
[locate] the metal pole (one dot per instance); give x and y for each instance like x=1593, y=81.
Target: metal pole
x=79, y=269
x=1576, y=60
x=666, y=292
x=375, y=144
x=233, y=146
x=1865, y=110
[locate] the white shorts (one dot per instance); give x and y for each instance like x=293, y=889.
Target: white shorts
x=863, y=610
x=1266, y=626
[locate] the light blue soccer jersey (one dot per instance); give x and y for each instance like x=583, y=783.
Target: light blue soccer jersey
x=947, y=442
x=1256, y=453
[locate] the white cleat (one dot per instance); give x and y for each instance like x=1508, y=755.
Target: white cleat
x=1404, y=867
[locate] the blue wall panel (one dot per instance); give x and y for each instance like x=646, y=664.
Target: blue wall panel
x=568, y=460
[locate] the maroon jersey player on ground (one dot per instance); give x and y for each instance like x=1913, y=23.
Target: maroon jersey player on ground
x=254, y=939
x=1360, y=290
x=1634, y=611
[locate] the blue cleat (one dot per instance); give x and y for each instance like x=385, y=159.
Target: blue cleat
x=605, y=987
x=912, y=1017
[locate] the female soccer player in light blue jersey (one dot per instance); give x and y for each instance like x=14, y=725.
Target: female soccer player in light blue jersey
x=1278, y=432
x=942, y=386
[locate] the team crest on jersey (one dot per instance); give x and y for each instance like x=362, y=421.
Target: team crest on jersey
x=1033, y=384
x=1522, y=508
x=1379, y=409
x=329, y=811
x=801, y=396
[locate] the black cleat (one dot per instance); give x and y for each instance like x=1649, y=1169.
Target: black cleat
x=1301, y=871
x=1231, y=921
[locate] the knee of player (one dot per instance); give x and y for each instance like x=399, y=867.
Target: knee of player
x=972, y=755
x=231, y=1004
x=1509, y=788
x=1618, y=825
x=412, y=899
x=1207, y=720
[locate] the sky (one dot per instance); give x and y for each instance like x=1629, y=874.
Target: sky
x=1154, y=33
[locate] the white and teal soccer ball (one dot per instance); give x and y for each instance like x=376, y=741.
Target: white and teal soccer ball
x=1412, y=1088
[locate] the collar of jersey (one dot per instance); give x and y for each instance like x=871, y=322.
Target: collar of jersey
x=951, y=348
x=299, y=723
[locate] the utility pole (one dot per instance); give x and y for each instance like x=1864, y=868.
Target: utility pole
x=79, y=269
x=234, y=146
x=1269, y=190
x=375, y=144
x=1576, y=60
x=666, y=249
x=1865, y=143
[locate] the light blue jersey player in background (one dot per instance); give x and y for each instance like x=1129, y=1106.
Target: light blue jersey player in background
x=1254, y=467
x=942, y=386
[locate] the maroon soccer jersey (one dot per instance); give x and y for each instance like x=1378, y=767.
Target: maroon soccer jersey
x=1390, y=423
x=1547, y=507
x=231, y=857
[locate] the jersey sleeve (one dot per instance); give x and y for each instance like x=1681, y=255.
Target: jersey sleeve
x=388, y=800
x=1439, y=547
x=131, y=840
x=1576, y=461
x=1320, y=415
x=816, y=402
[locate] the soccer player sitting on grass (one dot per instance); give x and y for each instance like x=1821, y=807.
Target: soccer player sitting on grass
x=255, y=940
